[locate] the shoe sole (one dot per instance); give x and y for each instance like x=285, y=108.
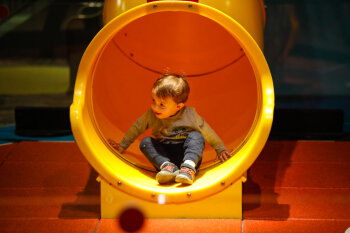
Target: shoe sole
x=183, y=179
x=164, y=178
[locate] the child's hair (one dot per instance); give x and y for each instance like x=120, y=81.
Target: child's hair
x=174, y=86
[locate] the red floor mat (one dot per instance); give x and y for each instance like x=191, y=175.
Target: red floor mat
x=305, y=151
x=44, y=174
x=299, y=179
x=296, y=226
x=47, y=152
x=301, y=174
x=301, y=203
x=177, y=226
x=49, y=202
x=48, y=179
x=49, y=185
x=5, y=150
x=48, y=225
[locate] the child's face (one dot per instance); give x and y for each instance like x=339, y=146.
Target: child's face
x=164, y=108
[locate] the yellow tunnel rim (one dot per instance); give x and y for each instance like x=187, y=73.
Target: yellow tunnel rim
x=229, y=172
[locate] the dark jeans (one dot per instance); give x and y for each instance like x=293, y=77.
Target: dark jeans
x=159, y=152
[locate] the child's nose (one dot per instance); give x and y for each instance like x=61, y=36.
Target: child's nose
x=155, y=107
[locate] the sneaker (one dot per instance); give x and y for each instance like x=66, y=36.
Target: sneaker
x=167, y=173
x=186, y=174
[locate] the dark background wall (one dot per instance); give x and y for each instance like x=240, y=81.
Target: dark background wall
x=306, y=45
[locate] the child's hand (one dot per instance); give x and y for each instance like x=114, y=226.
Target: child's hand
x=225, y=155
x=116, y=146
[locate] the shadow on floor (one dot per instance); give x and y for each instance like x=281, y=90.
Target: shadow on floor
x=260, y=192
x=87, y=203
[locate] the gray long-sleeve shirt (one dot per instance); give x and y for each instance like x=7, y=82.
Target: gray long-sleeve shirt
x=175, y=128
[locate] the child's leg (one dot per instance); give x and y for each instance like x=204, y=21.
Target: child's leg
x=193, y=151
x=154, y=152
x=193, y=147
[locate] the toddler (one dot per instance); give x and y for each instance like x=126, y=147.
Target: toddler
x=179, y=133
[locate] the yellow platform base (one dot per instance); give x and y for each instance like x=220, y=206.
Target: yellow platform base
x=226, y=204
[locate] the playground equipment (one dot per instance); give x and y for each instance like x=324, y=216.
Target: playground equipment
x=217, y=46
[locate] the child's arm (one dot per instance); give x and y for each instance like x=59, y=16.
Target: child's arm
x=225, y=155
x=116, y=146
x=213, y=139
x=140, y=126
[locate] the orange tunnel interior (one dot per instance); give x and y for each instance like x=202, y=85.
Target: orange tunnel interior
x=223, y=85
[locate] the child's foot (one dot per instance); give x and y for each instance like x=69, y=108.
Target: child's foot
x=168, y=173
x=186, y=174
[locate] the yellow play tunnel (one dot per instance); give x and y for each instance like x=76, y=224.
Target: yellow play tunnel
x=217, y=46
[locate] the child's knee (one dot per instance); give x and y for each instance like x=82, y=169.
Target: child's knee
x=196, y=136
x=145, y=142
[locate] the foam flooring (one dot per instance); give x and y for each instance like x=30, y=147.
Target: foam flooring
x=294, y=186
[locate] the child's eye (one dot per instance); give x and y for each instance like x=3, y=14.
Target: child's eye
x=162, y=105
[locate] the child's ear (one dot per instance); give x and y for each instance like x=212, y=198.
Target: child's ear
x=180, y=105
